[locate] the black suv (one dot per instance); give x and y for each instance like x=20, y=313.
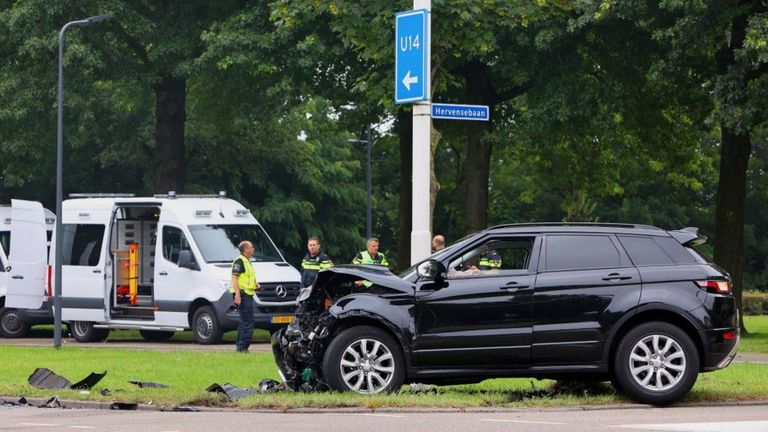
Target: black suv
x=632, y=304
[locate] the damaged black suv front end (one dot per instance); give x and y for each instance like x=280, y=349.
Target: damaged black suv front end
x=337, y=300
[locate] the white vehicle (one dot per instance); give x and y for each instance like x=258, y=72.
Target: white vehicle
x=15, y=322
x=163, y=264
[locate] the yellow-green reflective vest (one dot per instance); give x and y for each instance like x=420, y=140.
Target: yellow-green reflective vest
x=247, y=279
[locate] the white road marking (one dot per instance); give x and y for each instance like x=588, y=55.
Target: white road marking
x=38, y=424
x=82, y=427
x=737, y=426
x=522, y=421
x=379, y=415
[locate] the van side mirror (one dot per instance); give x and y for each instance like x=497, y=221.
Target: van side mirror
x=430, y=269
x=186, y=260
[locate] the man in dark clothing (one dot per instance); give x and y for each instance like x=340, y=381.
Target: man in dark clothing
x=313, y=262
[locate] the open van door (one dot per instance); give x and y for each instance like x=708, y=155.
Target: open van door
x=26, y=287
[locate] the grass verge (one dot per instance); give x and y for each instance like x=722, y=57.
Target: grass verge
x=756, y=340
x=189, y=373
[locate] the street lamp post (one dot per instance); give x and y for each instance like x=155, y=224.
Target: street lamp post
x=368, y=142
x=60, y=176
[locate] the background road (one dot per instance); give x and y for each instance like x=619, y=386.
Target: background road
x=747, y=418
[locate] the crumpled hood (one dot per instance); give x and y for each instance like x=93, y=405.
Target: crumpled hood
x=378, y=275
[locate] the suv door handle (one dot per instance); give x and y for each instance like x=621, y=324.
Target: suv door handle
x=616, y=276
x=97, y=271
x=163, y=273
x=512, y=286
x=17, y=277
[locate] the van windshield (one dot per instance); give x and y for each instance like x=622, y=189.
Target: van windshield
x=218, y=243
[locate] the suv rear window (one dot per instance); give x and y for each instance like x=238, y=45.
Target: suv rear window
x=567, y=252
x=675, y=250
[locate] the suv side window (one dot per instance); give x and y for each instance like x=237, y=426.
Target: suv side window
x=643, y=251
x=570, y=252
x=494, y=258
x=174, y=242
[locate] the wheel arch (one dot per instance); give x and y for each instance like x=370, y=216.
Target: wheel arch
x=360, y=318
x=193, y=307
x=660, y=313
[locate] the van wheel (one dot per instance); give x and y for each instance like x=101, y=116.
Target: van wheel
x=156, y=335
x=365, y=360
x=83, y=331
x=206, y=326
x=12, y=323
x=656, y=363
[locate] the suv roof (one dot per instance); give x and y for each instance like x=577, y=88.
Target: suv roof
x=684, y=235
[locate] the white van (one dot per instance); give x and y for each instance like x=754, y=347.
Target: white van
x=163, y=264
x=15, y=322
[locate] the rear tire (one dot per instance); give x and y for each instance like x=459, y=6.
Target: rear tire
x=206, y=327
x=83, y=331
x=365, y=360
x=156, y=335
x=12, y=323
x=656, y=363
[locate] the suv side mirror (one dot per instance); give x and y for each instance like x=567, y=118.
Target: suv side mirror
x=430, y=269
x=186, y=260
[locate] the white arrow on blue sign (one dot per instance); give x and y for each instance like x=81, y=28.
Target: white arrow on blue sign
x=460, y=112
x=412, y=56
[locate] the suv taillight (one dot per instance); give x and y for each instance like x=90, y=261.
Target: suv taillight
x=715, y=286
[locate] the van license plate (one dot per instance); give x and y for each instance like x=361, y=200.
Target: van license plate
x=282, y=319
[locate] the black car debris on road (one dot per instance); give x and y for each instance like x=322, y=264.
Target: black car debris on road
x=633, y=304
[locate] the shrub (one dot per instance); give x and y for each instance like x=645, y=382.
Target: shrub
x=754, y=303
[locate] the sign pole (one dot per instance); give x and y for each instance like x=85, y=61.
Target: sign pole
x=422, y=156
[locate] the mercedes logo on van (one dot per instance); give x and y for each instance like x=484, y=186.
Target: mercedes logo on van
x=281, y=291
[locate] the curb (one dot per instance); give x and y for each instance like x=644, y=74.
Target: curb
x=102, y=405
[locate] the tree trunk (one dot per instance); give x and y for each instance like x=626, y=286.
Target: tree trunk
x=735, y=149
x=170, y=115
x=478, y=160
x=478, y=170
x=404, y=131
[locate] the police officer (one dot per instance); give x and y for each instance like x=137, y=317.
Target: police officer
x=370, y=255
x=490, y=260
x=243, y=288
x=313, y=262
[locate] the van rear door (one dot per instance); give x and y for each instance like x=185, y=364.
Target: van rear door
x=26, y=287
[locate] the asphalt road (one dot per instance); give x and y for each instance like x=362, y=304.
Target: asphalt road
x=746, y=418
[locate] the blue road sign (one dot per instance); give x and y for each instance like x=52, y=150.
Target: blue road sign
x=460, y=112
x=412, y=56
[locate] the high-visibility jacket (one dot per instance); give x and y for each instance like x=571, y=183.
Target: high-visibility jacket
x=246, y=276
x=310, y=265
x=365, y=258
x=490, y=260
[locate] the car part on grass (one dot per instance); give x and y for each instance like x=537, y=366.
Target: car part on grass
x=22, y=401
x=44, y=378
x=148, y=384
x=53, y=402
x=124, y=406
x=230, y=391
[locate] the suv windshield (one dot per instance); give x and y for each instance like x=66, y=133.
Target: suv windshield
x=218, y=243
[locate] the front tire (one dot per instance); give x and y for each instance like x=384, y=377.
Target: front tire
x=365, y=360
x=12, y=323
x=656, y=363
x=84, y=331
x=156, y=335
x=206, y=327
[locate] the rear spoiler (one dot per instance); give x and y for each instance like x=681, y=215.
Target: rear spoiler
x=689, y=236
